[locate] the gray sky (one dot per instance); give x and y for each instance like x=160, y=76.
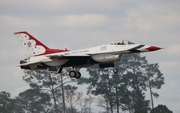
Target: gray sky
x=79, y=24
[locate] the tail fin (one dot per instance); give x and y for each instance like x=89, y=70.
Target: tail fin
x=31, y=45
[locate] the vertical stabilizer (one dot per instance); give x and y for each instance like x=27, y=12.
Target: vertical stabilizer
x=31, y=45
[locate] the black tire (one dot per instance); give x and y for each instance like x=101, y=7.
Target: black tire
x=78, y=75
x=72, y=74
x=115, y=70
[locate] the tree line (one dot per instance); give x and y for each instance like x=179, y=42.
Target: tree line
x=114, y=92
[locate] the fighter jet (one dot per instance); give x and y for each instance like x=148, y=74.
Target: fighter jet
x=39, y=56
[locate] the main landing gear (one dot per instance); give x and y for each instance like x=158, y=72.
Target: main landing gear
x=75, y=73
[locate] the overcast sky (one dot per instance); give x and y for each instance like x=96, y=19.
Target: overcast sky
x=76, y=24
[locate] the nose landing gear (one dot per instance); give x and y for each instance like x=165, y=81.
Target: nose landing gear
x=115, y=70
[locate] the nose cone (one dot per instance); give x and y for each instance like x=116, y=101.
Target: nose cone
x=153, y=48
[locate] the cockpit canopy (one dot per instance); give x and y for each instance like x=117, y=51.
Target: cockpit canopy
x=121, y=42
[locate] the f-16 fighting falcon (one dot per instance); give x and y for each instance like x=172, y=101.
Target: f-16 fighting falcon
x=39, y=56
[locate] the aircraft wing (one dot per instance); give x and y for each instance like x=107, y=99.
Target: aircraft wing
x=66, y=56
x=56, y=56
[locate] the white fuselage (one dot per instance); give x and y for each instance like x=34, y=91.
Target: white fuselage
x=101, y=54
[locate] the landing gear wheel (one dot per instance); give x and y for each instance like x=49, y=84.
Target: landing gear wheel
x=72, y=74
x=78, y=75
x=115, y=70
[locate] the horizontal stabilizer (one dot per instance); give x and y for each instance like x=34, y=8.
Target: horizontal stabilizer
x=28, y=63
